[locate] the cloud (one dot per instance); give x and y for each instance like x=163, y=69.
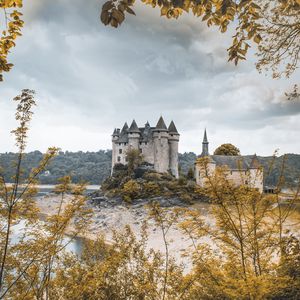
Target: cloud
x=90, y=78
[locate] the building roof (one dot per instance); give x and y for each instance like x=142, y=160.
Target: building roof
x=255, y=163
x=123, y=135
x=161, y=125
x=172, y=128
x=115, y=133
x=232, y=162
x=134, y=128
x=124, y=129
x=146, y=133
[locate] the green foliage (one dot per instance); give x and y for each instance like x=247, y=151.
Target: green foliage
x=227, y=149
x=120, y=176
x=134, y=159
x=95, y=167
x=92, y=167
x=150, y=186
x=190, y=174
x=186, y=161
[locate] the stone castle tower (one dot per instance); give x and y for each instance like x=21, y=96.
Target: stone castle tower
x=158, y=145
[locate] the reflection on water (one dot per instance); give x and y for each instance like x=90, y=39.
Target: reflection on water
x=74, y=245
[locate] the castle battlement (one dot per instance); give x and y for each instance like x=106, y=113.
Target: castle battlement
x=158, y=145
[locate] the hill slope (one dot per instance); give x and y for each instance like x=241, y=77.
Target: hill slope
x=94, y=167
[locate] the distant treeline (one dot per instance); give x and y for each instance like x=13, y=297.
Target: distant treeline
x=94, y=167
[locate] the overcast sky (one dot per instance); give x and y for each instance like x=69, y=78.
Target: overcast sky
x=90, y=78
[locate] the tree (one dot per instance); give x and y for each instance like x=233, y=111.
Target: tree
x=27, y=264
x=273, y=25
x=254, y=245
x=294, y=94
x=227, y=149
x=134, y=159
x=280, y=46
x=12, y=24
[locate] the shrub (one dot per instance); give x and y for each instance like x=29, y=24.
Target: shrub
x=151, y=189
x=131, y=190
x=182, y=181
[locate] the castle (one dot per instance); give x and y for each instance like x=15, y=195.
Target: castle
x=158, y=145
x=241, y=170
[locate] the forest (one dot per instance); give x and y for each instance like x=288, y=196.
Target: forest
x=95, y=167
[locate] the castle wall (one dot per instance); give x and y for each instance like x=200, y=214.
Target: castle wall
x=160, y=149
x=161, y=152
x=252, y=177
x=200, y=173
x=147, y=151
x=257, y=179
x=173, y=155
x=119, y=155
x=133, y=140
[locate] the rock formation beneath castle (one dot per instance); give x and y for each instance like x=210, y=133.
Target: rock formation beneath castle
x=158, y=145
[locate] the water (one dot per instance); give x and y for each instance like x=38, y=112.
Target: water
x=74, y=245
x=44, y=189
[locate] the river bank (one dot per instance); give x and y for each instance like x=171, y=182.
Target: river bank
x=109, y=214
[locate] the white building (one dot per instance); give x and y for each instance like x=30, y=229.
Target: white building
x=241, y=170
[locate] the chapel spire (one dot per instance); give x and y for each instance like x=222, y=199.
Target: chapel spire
x=205, y=145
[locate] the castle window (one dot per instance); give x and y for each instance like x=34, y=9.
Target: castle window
x=230, y=172
x=119, y=158
x=119, y=144
x=141, y=150
x=145, y=143
x=120, y=151
x=126, y=159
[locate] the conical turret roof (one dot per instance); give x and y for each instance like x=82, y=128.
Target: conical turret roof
x=172, y=128
x=125, y=128
x=161, y=125
x=133, y=127
x=115, y=133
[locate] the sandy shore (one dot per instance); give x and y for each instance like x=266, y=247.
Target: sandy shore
x=106, y=218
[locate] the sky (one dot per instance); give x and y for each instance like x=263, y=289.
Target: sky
x=90, y=79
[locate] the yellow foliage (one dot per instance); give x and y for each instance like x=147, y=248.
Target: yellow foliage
x=13, y=23
x=131, y=190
